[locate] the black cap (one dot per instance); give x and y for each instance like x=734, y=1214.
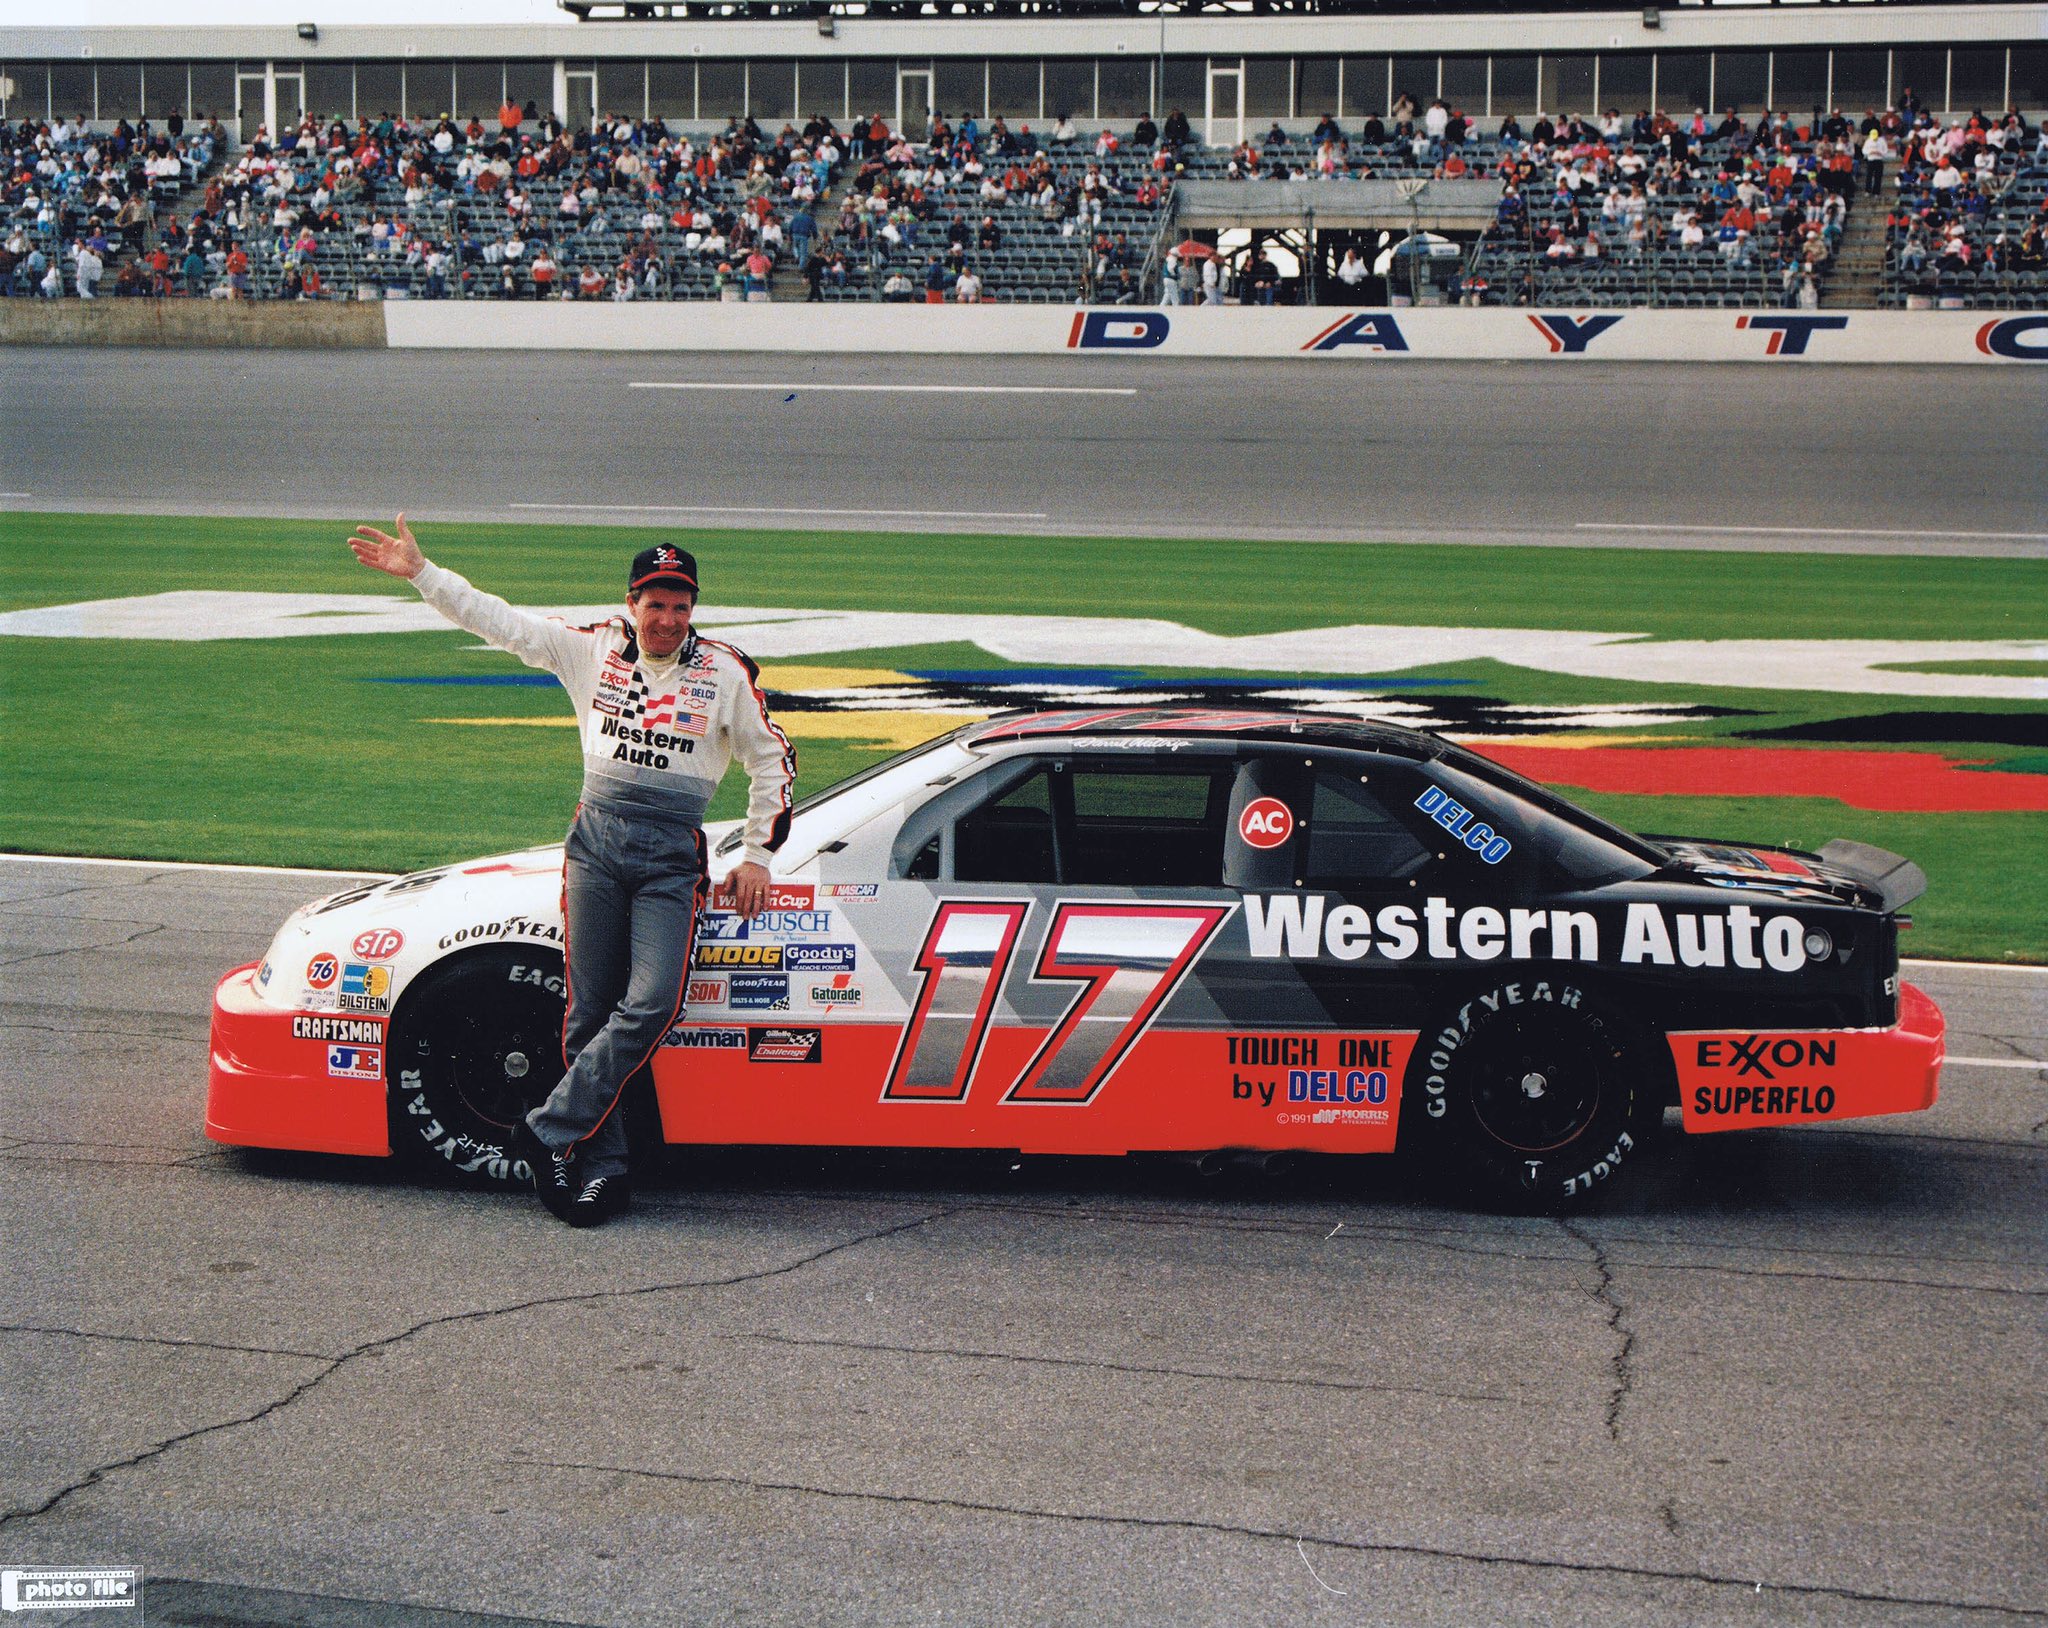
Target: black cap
x=663, y=566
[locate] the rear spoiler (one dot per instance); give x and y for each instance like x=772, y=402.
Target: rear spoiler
x=1897, y=881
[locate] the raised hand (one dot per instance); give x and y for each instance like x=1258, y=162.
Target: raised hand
x=400, y=556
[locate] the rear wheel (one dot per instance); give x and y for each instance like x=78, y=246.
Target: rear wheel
x=1534, y=1092
x=477, y=1043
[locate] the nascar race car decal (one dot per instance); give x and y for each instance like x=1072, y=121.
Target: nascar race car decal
x=1137, y=929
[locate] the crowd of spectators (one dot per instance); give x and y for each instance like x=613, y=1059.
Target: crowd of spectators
x=75, y=198
x=1971, y=210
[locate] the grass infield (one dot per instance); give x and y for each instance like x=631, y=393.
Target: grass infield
x=288, y=751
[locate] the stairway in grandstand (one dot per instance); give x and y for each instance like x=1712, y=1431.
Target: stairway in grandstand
x=788, y=283
x=1857, y=272
x=166, y=205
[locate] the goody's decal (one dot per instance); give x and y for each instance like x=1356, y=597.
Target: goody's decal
x=1307, y=927
x=1118, y=330
x=2017, y=339
x=1789, y=333
x=818, y=957
x=1463, y=824
x=1371, y=330
x=1568, y=335
x=1265, y=823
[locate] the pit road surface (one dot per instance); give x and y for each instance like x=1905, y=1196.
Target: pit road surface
x=1789, y=1376
x=1865, y=459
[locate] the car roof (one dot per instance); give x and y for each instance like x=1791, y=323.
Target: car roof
x=1206, y=722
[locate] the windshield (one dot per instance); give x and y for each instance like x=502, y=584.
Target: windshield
x=908, y=765
x=1588, y=847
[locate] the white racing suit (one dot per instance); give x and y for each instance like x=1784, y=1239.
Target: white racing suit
x=657, y=739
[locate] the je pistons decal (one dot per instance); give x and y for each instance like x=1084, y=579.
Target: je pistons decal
x=1265, y=823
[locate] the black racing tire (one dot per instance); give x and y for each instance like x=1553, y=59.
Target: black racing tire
x=476, y=1043
x=1534, y=1092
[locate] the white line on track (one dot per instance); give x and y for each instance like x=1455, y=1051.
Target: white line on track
x=1974, y=966
x=730, y=508
x=17, y=494
x=899, y=389
x=1806, y=531
x=1997, y=1062
x=187, y=865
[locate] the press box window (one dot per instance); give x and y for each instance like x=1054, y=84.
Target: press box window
x=1353, y=839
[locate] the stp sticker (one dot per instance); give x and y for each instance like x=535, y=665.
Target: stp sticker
x=322, y=970
x=378, y=944
x=1265, y=823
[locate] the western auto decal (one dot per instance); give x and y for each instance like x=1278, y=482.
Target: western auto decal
x=1124, y=961
x=1265, y=823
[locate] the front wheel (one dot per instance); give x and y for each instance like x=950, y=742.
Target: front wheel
x=476, y=1044
x=1534, y=1092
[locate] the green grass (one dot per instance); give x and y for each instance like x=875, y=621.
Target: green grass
x=286, y=752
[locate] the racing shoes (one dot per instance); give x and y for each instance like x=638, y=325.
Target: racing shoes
x=598, y=1200
x=552, y=1179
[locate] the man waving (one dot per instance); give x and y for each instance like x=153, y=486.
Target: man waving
x=662, y=712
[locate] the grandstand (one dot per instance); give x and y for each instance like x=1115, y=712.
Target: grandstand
x=1682, y=156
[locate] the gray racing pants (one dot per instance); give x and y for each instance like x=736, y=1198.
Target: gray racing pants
x=632, y=890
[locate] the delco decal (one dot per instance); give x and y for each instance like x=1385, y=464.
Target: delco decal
x=785, y=1045
x=1463, y=824
x=355, y=1031
x=739, y=955
x=818, y=957
x=1118, y=330
x=689, y=1039
x=1265, y=823
x=1789, y=333
x=355, y=1062
x=1306, y=927
x=1336, y=1085
x=377, y=944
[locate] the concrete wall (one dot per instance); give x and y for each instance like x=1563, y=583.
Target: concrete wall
x=1313, y=335
x=105, y=321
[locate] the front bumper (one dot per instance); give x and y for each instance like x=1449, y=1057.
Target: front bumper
x=305, y=1080
x=1731, y=1081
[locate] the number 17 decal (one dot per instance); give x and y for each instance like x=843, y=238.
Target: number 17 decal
x=1128, y=959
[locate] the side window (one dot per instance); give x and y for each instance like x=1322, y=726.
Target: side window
x=1010, y=837
x=1352, y=838
x=1109, y=825
x=1148, y=829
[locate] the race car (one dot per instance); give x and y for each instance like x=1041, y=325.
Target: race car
x=1142, y=929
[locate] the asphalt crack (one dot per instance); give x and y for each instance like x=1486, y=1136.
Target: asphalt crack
x=158, y=1339
x=333, y=1365
x=1621, y=1363
x=84, y=949
x=1102, y=1365
x=1596, y=1568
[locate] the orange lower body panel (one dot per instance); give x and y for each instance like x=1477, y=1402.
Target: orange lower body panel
x=1733, y=1081
x=293, y=1079
x=1176, y=1090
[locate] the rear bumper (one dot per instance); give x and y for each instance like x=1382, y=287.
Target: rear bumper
x=1731, y=1081
x=293, y=1079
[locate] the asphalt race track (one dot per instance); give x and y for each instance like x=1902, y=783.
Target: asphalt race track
x=1788, y=1377
x=1871, y=459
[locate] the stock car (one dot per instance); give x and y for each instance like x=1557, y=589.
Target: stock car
x=1160, y=929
